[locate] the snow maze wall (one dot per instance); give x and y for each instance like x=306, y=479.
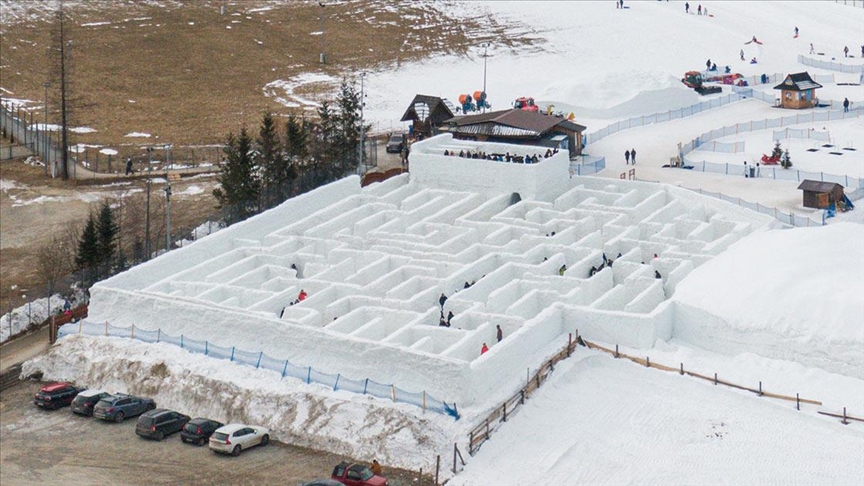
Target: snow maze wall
x=374, y=261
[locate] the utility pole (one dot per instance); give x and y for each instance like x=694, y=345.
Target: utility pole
x=147, y=216
x=167, y=213
x=322, y=58
x=45, y=131
x=361, y=168
x=63, y=94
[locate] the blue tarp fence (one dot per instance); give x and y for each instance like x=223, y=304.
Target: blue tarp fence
x=260, y=360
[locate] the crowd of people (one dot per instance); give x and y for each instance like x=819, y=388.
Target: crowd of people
x=517, y=159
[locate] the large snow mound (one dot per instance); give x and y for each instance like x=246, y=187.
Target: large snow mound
x=305, y=415
x=791, y=294
x=604, y=421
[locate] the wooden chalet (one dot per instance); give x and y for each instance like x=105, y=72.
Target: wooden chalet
x=820, y=195
x=518, y=127
x=798, y=91
x=427, y=113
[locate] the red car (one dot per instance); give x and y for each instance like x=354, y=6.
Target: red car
x=356, y=475
x=56, y=395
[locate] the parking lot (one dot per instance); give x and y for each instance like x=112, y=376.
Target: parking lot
x=60, y=447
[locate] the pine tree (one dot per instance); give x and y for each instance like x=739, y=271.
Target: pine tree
x=785, y=161
x=777, y=152
x=347, y=143
x=269, y=158
x=107, y=230
x=239, y=178
x=87, y=258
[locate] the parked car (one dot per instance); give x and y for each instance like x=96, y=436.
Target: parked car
x=396, y=143
x=56, y=395
x=199, y=430
x=118, y=407
x=322, y=482
x=86, y=400
x=356, y=475
x=235, y=438
x=158, y=423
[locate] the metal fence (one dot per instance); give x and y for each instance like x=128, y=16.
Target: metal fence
x=725, y=147
x=260, y=360
x=14, y=121
x=801, y=133
x=830, y=65
x=592, y=166
x=790, y=218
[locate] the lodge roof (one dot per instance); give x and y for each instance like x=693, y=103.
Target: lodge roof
x=510, y=123
x=818, y=186
x=798, y=82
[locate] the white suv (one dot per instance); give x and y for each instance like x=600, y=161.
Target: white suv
x=234, y=438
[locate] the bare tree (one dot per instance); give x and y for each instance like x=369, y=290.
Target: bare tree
x=68, y=238
x=51, y=264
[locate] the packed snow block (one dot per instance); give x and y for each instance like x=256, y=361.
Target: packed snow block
x=381, y=286
x=411, y=287
x=382, y=324
x=673, y=278
x=484, y=212
x=373, y=221
x=651, y=296
x=531, y=304
x=664, y=214
x=374, y=270
x=345, y=220
x=297, y=226
x=520, y=210
x=230, y=296
x=257, y=277
x=505, y=235
x=618, y=327
x=544, y=180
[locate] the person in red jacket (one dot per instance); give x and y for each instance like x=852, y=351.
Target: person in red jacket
x=484, y=349
x=301, y=296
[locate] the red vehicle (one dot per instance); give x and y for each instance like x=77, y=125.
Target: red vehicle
x=356, y=475
x=766, y=160
x=525, y=103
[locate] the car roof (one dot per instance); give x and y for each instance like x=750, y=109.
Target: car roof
x=155, y=412
x=227, y=429
x=54, y=386
x=202, y=420
x=90, y=393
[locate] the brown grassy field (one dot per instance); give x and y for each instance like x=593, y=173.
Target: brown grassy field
x=188, y=75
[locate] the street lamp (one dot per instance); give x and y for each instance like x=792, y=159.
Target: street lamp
x=147, y=215
x=362, y=165
x=322, y=58
x=485, y=46
x=167, y=214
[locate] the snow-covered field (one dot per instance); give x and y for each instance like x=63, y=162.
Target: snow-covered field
x=753, y=304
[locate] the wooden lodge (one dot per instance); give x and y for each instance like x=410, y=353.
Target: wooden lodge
x=821, y=195
x=518, y=127
x=798, y=91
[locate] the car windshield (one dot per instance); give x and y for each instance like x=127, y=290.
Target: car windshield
x=220, y=436
x=366, y=474
x=104, y=403
x=396, y=138
x=191, y=428
x=146, y=420
x=79, y=399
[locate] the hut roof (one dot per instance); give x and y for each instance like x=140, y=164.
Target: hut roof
x=818, y=186
x=798, y=82
x=510, y=123
x=423, y=106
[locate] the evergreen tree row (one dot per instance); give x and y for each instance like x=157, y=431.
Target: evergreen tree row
x=259, y=174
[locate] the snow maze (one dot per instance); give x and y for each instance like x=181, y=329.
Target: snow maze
x=375, y=260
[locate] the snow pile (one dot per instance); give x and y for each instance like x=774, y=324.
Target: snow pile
x=296, y=413
x=28, y=315
x=137, y=135
x=604, y=421
x=789, y=294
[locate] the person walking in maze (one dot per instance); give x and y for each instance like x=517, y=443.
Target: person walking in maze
x=500, y=333
x=627, y=157
x=442, y=300
x=633, y=156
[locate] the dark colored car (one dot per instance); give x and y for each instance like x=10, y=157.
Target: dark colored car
x=86, y=400
x=158, y=423
x=356, y=475
x=118, y=407
x=396, y=143
x=199, y=430
x=56, y=395
x=323, y=482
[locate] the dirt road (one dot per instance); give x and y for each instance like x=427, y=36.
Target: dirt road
x=62, y=448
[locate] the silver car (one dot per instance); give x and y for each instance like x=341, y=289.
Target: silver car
x=235, y=438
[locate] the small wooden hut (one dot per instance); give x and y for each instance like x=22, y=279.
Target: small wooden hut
x=798, y=91
x=820, y=195
x=427, y=113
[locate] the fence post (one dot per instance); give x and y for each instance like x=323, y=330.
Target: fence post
x=284, y=368
x=393, y=392
x=616, y=350
x=206, y=348
x=106, y=328
x=715, y=378
x=760, y=388
x=133, y=332
x=309, y=375
x=797, y=402
x=844, y=421
x=232, y=353
x=79, y=325
x=366, y=385
x=522, y=398
x=159, y=338
x=424, y=399
x=454, y=457
x=336, y=385
x=682, y=369
x=569, y=343
x=181, y=341
x=648, y=361
x=260, y=354
x=437, y=467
